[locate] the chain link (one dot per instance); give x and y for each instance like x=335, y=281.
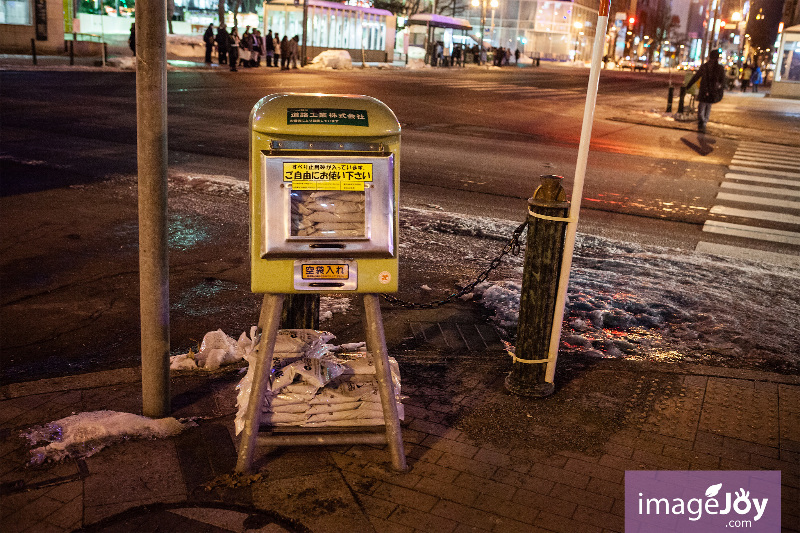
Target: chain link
x=512, y=246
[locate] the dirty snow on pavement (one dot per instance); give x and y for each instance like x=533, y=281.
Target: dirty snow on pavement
x=640, y=302
x=84, y=434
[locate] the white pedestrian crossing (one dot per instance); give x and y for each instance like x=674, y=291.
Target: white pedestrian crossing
x=757, y=202
x=519, y=91
x=758, y=188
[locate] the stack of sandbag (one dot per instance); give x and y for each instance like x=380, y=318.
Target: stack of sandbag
x=350, y=397
x=328, y=214
x=315, y=384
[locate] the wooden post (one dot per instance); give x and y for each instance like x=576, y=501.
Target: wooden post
x=543, y=256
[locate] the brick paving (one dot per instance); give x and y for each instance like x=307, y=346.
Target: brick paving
x=467, y=471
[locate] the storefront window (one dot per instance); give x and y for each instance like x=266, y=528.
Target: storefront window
x=15, y=12
x=790, y=70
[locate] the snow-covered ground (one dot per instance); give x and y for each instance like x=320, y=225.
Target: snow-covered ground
x=625, y=300
x=642, y=302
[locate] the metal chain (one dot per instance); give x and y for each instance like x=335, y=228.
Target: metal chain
x=512, y=246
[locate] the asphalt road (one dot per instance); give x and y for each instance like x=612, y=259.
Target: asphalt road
x=473, y=140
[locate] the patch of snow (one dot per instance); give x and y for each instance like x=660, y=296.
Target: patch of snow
x=332, y=59
x=84, y=434
x=328, y=305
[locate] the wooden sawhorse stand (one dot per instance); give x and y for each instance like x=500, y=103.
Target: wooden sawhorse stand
x=268, y=324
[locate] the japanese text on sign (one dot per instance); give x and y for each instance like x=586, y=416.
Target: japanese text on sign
x=336, y=117
x=325, y=271
x=327, y=176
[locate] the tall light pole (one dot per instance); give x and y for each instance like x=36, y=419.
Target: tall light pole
x=482, y=4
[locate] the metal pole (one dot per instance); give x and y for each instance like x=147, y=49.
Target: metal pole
x=670, y=94
x=303, y=61
x=577, y=189
x=376, y=343
x=33, y=50
x=268, y=322
x=72, y=52
x=151, y=119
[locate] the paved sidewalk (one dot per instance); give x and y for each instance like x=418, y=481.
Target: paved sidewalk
x=480, y=459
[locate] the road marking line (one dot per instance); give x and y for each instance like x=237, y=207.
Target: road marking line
x=786, y=166
x=728, y=211
x=761, y=157
x=761, y=179
x=765, y=171
x=752, y=232
x=736, y=252
x=787, y=204
x=777, y=148
x=758, y=188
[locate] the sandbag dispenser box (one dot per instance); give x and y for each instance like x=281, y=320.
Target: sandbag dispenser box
x=324, y=184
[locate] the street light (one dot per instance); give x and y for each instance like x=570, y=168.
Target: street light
x=482, y=4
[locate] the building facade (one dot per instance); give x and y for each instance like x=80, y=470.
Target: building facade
x=552, y=30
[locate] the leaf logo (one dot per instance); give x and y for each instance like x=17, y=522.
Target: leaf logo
x=713, y=490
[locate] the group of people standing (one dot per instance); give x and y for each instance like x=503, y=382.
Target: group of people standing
x=248, y=49
x=751, y=76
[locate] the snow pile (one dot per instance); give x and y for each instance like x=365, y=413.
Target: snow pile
x=416, y=64
x=328, y=305
x=332, y=59
x=85, y=434
x=217, y=349
x=319, y=385
x=186, y=45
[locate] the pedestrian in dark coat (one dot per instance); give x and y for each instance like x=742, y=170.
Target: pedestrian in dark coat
x=132, y=39
x=223, y=44
x=233, y=49
x=712, y=86
x=294, y=51
x=269, y=47
x=285, y=50
x=208, y=39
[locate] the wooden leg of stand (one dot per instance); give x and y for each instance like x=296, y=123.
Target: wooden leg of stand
x=376, y=343
x=268, y=323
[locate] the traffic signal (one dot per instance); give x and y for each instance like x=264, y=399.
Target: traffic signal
x=631, y=20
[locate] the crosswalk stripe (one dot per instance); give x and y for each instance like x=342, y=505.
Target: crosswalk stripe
x=758, y=188
x=782, y=218
x=761, y=179
x=786, y=166
x=737, y=252
x=788, y=204
x=761, y=157
x=774, y=148
x=765, y=171
x=752, y=232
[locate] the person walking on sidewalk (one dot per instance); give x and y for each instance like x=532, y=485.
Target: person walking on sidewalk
x=208, y=39
x=712, y=86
